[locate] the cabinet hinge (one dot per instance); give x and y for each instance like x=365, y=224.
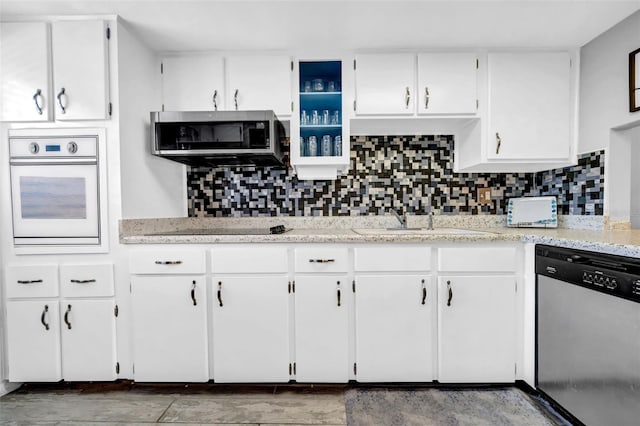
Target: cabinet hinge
x=289, y=287
x=294, y=368
x=516, y=286
x=110, y=109
x=293, y=286
x=129, y=286
x=354, y=104
x=515, y=370
x=290, y=369
x=108, y=33
x=291, y=106
x=477, y=63
x=117, y=368
x=291, y=65
x=133, y=368
x=163, y=107
x=161, y=68
x=116, y=311
x=355, y=369
x=354, y=64
x=353, y=285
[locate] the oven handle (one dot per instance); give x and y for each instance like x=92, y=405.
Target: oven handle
x=53, y=162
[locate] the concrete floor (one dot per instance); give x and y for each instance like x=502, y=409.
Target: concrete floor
x=135, y=405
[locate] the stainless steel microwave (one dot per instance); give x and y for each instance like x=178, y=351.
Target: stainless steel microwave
x=218, y=138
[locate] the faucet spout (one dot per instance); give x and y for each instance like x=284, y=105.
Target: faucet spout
x=401, y=219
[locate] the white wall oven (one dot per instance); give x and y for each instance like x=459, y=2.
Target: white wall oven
x=55, y=190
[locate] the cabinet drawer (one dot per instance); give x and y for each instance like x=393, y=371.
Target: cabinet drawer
x=183, y=261
x=241, y=259
x=322, y=259
x=390, y=258
x=86, y=280
x=32, y=281
x=496, y=259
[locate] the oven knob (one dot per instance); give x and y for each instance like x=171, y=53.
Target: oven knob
x=72, y=147
x=34, y=148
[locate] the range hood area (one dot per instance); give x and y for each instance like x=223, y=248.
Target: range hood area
x=218, y=138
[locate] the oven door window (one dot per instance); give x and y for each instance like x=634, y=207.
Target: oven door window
x=55, y=200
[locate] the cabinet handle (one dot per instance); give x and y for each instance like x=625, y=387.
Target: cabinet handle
x=193, y=293
x=66, y=317
x=235, y=99
x=407, y=97
x=424, y=293
x=215, y=102
x=339, y=295
x=168, y=262
x=83, y=281
x=44, y=312
x=220, y=293
x=498, y=143
x=321, y=260
x=59, y=97
x=29, y=281
x=36, y=97
x=426, y=97
x=450, y=293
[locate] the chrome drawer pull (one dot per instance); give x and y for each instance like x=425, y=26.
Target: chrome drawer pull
x=193, y=293
x=321, y=260
x=220, y=293
x=83, y=281
x=42, y=317
x=29, y=281
x=424, y=293
x=66, y=317
x=168, y=262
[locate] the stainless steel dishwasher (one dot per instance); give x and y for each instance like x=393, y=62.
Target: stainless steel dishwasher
x=588, y=334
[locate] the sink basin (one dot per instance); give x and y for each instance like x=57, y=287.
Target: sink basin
x=415, y=231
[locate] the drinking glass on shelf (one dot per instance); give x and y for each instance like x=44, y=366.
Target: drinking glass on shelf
x=331, y=86
x=325, y=117
x=335, y=117
x=325, y=147
x=312, y=146
x=303, y=147
x=315, y=117
x=318, y=85
x=337, y=146
x=307, y=86
x=304, y=118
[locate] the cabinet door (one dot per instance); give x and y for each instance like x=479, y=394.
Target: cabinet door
x=88, y=340
x=447, y=83
x=80, y=69
x=193, y=83
x=251, y=329
x=529, y=106
x=394, y=328
x=385, y=84
x=33, y=341
x=321, y=328
x=169, y=318
x=476, y=322
x=24, y=72
x=259, y=82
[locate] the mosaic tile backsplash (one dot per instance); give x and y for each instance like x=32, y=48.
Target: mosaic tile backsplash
x=413, y=174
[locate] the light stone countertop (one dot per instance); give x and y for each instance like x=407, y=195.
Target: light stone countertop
x=340, y=230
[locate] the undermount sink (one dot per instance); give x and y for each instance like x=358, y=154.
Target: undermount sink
x=415, y=231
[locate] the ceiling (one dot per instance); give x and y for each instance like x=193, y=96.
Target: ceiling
x=331, y=25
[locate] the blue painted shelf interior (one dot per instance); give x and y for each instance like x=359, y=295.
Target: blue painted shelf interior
x=320, y=90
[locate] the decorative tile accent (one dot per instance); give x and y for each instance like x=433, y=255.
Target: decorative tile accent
x=413, y=174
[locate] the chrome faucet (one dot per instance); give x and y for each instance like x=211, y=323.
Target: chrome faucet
x=401, y=219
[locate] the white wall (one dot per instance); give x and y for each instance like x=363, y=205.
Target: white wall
x=604, y=84
x=635, y=178
x=151, y=186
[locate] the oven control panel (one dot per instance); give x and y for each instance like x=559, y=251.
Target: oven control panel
x=78, y=146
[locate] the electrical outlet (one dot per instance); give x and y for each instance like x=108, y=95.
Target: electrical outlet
x=484, y=195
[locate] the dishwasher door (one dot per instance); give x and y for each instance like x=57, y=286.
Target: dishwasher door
x=588, y=352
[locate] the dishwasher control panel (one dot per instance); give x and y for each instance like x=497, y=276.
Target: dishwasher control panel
x=600, y=279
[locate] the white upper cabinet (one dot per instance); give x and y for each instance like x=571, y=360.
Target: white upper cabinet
x=447, y=83
x=193, y=83
x=385, y=84
x=529, y=112
x=24, y=72
x=80, y=83
x=259, y=82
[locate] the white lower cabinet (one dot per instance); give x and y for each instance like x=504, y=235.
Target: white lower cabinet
x=250, y=328
x=88, y=340
x=169, y=318
x=33, y=341
x=394, y=328
x=476, y=329
x=322, y=306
